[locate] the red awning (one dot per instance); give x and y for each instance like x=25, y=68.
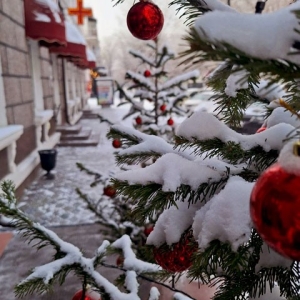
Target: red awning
x=91, y=58
x=76, y=44
x=44, y=21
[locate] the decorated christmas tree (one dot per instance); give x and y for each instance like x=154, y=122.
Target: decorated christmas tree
x=227, y=203
x=155, y=98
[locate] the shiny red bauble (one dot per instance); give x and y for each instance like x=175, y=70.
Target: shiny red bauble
x=163, y=107
x=170, y=122
x=117, y=143
x=120, y=260
x=89, y=295
x=109, y=191
x=145, y=20
x=147, y=73
x=274, y=209
x=138, y=120
x=148, y=229
x=178, y=257
x=261, y=129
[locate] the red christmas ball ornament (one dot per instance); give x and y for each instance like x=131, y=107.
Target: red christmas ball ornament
x=148, y=229
x=145, y=20
x=274, y=207
x=138, y=120
x=163, y=107
x=261, y=129
x=109, y=191
x=170, y=122
x=117, y=143
x=120, y=260
x=178, y=257
x=89, y=295
x=147, y=73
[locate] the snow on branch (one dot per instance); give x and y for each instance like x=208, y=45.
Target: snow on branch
x=212, y=221
x=261, y=36
x=180, y=78
x=74, y=256
x=143, y=57
x=205, y=126
x=142, y=80
x=147, y=143
x=130, y=260
x=171, y=171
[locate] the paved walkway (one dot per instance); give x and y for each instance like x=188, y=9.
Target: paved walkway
x=55, y=204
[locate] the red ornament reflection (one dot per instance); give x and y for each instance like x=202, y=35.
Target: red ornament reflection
x=275, y=210
x=178, y=257
x=145, y=20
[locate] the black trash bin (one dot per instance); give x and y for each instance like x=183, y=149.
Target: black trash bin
x=48, y=161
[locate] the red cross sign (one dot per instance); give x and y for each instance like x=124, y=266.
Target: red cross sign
x=80, y=12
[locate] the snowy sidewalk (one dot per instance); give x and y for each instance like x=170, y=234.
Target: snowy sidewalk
x=56, y=203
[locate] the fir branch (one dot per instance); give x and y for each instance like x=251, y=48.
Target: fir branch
x=230, y=151
x=127, y=139
x=149, y=199
x=136, y=158
x=203, y=50
x=192, y=9
x=103, y=119
x=97, y=176
x=38, y=285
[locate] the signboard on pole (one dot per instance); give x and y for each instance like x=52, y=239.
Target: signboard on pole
x=105, y=91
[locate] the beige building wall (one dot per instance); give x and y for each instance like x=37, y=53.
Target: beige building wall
x=16, y=74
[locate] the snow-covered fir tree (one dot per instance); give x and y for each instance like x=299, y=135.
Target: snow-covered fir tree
x=205, y=185
x=155, y=96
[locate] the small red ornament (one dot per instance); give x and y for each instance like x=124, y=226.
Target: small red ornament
x=147, y=73
x=120, y=260
x=89, y=295
x=117, y=143
x=261, y=129
x=138, y=120
x=163, y=107
x=178, y=257
x=109, y=191
x=274, y=207
x=145, y=20
x=148, y=229
x=170, y=122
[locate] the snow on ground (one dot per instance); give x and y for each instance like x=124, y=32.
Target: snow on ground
x=55, y=202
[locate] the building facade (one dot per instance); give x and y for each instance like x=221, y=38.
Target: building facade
x=41, y=86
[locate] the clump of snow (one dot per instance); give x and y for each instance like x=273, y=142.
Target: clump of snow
x=154, y=293
x=281, y=115
x=205, y=126
x=172, y=223
x=226, y=216
x=130, y=260
x=268, y=91
x=171, y=171
x=73, y=35
x=288, y=160
x=258, y=35
x=179, y=296
x=235, y=82
x=269, y=259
